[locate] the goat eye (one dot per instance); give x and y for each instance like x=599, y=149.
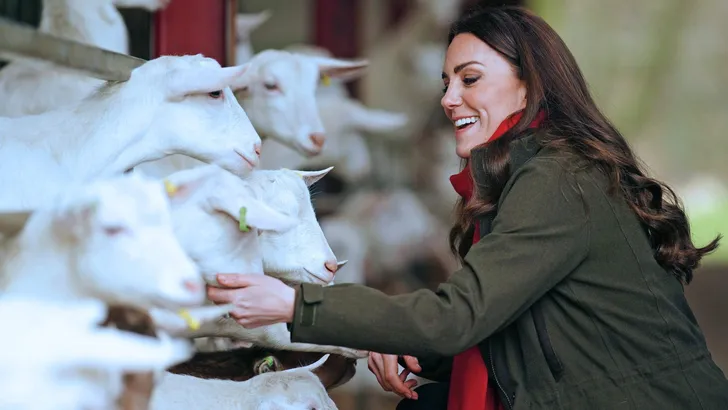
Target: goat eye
x=113, y=230
x=271, y=86
x=215, y=94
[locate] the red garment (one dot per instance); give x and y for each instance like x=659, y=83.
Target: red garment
x=469, y=387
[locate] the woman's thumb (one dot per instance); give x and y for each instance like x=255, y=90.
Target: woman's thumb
x=412, y=363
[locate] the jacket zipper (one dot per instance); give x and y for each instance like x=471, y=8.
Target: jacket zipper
x=495, y=376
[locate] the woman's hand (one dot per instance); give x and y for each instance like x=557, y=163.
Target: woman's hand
x=385, y=367
x=260, y=300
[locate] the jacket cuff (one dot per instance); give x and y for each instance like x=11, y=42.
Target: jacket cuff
x=308, y=297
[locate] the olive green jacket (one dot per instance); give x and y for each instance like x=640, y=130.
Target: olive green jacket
x=563, y=296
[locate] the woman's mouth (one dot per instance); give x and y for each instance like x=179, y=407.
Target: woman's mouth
x=464, y=123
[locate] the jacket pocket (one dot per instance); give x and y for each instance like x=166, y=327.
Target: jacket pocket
x=552, y=360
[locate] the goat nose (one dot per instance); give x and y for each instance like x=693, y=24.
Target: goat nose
x=257, y=149
x=318, y=139
x=192, y=286
x=332, y=266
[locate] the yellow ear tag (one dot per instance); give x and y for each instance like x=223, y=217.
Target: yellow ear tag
x=243, y=225
x=170, y=188
x=300, y=174
x=326, y=80
x=191, y=322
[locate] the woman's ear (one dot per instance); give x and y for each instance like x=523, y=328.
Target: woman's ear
x=522, y=93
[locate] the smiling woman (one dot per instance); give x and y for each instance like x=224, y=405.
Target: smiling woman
x=574, y=260
x=479, y=93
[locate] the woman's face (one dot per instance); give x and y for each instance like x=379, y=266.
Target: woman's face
x=481, y=90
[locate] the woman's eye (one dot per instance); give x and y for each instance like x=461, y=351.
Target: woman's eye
x=470, y=80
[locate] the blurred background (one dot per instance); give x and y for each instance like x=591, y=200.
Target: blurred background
x=656, y=67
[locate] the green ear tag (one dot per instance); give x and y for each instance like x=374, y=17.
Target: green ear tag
x=243, y=226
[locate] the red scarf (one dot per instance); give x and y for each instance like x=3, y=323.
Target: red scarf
x=469, y=387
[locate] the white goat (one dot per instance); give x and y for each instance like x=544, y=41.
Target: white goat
x=274, y=209
x=277, y=203
x=110, y=240
x=346, y=120
x=28, y=87
x=172, y=104
x=292, y=389
x=245, y=24
x=278, y=93
x=30, y=364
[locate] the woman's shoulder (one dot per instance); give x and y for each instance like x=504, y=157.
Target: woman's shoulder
x=542, y=167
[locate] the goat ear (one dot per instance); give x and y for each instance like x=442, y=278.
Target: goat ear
x=241, y=83
x=263, y=217
x=245, y=23
x=374, y=120
x=344, y=70
x=74, y=223
x=251, y=212
x=311, y=177
x=311, y=367
x=180, y=185
x=202, y=79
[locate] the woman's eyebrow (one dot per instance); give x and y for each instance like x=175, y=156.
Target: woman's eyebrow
x=459, y=67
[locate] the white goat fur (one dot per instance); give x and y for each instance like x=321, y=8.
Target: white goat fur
x=278, y=93
x=29, y=364
x=165, y=107
x=282, y=224
x=245, y=24
x=28, y=87
x=346, y=121
x=291, y=389
x=110, y=240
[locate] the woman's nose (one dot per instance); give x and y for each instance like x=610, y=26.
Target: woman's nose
x=451, y=99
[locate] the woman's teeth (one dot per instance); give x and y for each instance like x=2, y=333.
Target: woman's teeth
x=463, y=122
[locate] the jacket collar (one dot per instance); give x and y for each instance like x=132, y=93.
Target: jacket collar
x=521, y=149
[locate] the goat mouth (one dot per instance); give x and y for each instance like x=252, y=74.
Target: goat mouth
x=318, y=277
x=246, y=159
x=310, y=152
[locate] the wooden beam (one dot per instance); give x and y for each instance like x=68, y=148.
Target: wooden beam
x=24, y=42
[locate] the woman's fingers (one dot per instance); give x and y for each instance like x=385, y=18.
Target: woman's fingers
x=412, y=363
x=376, y=367
x=385, y=368
x=392, y=377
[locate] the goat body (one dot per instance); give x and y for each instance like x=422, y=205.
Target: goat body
x=293, y=389
x=165, y=107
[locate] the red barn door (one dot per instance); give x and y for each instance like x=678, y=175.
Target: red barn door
x=196, y=26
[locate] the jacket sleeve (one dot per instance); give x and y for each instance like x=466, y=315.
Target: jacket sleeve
x=539, y=236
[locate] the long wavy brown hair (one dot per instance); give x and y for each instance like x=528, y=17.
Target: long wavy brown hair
x=555, y=84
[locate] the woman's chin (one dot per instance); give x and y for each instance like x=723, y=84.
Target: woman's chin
x=463, y=150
